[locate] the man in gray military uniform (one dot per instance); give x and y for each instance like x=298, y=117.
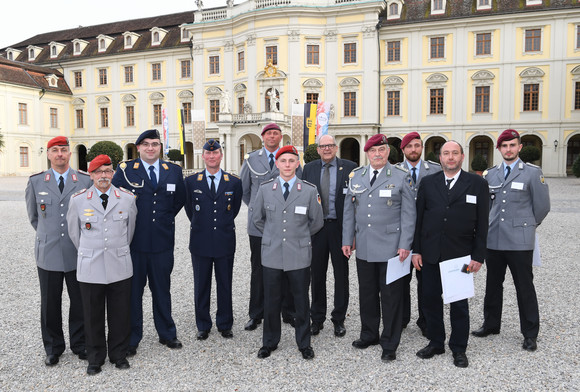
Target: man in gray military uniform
x=287, y=212
x=259, y=167
x=101, y=223
x=412, y=147
x=47, y=197
x=379, y=216
x=519, y=202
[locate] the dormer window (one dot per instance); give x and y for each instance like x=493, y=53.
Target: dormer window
x=394, y=9
x=104, y=42
x=12, y=54
x=78, y=46
x=52, y=80
x=157, y=35
x=483, y=5
x=130, y=39
x=102, y=45
x=438, y=7
x=33, y=52
x=184, y=34
x=55, y=49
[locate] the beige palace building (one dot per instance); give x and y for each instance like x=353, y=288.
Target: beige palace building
x=449, y=69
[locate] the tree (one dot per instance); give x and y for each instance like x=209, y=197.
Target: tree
x=311, y=153
x=394, y=155
x=175, y=155
x=530, y=154
x=576, y=167
x=108, y=148
x=479, y=163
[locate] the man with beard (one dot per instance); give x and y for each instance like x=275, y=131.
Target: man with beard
x=412, y=147
x=47, y=197
x=452, y=216
x=101, y=223
x=520, y=201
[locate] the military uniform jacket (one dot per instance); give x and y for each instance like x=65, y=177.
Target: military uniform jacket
x=101, y=236
x=287, y=225
x=157, y=206
x=213, y=231
x=426, y=169
x=47, y=209
x=380, y=218
x=518, y=205
x=256, y=170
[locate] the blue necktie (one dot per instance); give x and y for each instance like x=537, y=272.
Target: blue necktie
x=153, y=176
x=287, y=190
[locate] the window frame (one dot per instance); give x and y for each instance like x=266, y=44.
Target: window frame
x=396, y=52
x=576, y=95
x=157, y=114
x=485, y=44
x=130, y=116
x=533, y=40
x=310, y=98
x=79, y=119
x=479, y=100
x=214, y=110
x=394, y=103
x=352, y=51
x=214, y=64
x=103, y=77
x=78, y=77
x=24, y=156
x=53, y=115
x=156, y=72
x=129, y=73
x=241, y=60
x=436, y=107
x=104, y=117
x=186, y=106
x=349, y=103
x=531, y=99
x=22, y=113
x=271, y=52
x=312, y=56
x=437, y=47
x=185, y=67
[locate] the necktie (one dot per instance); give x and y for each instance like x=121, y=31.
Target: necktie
x=507, y=172
x=286, y=190
x=271, y=161
x=105, y=198
x=414, y=175
x=212, y=189
x=374, y=177
x=153, y=176
x=449, y=181
x=325, y=189
x=61, y=184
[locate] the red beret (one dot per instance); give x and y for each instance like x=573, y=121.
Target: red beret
x=287, y=150
x=99, y=161
x=377, y=140
x=508, y=134
x=270, y=126
x=408, y=137
x=57, y=141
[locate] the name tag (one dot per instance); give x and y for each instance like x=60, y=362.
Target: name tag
x=385, y=193
x=300, y=210
x=344, y=191
x=518, y=185
x=471, y=199
x=170, y=187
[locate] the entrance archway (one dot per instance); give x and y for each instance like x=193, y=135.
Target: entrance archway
x=131, y=151
x=82, y=157
x=248, y=143
x=535, y=141
x=396, y=154
x=572, y=152
x=432, y=147
x=350, y=149
x=481, y=145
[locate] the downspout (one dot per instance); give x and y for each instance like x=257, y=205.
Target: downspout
x=378, y=27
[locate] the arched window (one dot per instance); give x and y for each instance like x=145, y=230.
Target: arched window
x=128, y=41
x=272, y=95
x=394, y=9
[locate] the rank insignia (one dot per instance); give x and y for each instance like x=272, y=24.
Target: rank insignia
x=229, y=207
x=226, y=177
x=351, y=175
x=165, y=166
x=47, y=177
x=388, y=172
x=43, y=207
x=275, y=185
x=390, y=202
x=88, y=214
x=197, y=207
x=542, y=180
x=136, y=165
x=74, y=177
x=87, y=225
x=299, y=187
x=200, y=177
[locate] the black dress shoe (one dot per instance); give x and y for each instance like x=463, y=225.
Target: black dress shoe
x=93, y=369
x=122, y=364
x=483, y=332
x=429, y=352
x=82, y=354
x=252, y=324
x=530, y=344
x=359, y=343
x=460, y=360
x=227, y=333
x=307, y=352
x=265, y=351
x=388, y=356
x=289, y=320
x=131, y=351
x=339, y=329
x=172, y=343
x=202, y=335
x=51, y=359
x=315, y=328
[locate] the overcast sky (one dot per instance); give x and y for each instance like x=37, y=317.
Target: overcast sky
x=23, y=19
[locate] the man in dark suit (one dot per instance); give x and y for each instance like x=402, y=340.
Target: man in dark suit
x=452, y=216
x=160, y=192
x=213, y=201
x=330, y=175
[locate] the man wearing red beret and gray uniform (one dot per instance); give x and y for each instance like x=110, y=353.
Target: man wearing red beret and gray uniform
x=101, y=223
x=519, y=202
x=379, y=218
x=47, y=197
x=412, y=147
x=287, y=212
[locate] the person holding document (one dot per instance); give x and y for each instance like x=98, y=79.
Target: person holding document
x=452, y=219
x=520, y=201
x=379, y=215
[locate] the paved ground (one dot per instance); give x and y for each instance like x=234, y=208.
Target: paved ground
x=496, y=363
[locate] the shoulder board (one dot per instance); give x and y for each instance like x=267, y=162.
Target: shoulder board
x=404, y=169
x=358, y=168
x=267, y=182
x=484, y=173
x=309, y=183
x=532, y=165
x=234, y=175
x=491, y=168
x=126, y=191
x=246, y=156
x=434, y=163
x=79, y=192
x=36, y=174
x=83, y=172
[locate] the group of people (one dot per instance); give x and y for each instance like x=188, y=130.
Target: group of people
x=298, y=218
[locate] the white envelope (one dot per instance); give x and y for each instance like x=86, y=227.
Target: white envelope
x=396, y=270
x=456, y=285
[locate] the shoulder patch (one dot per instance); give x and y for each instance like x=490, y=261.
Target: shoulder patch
x=404, y=169
x=79, y=192
x=309, y=183
x=234, y=175
x=434, y=163
x=532, y=165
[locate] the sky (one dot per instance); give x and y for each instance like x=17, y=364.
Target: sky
x=23, y=19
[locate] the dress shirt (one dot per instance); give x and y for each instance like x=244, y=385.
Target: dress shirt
x=57, y=176
x=512, y=167
x=410, y=167
x=218, y=177
x=290, y=184
x=155, y=165
x=455, y=177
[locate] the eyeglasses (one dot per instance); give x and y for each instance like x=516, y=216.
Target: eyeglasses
x=325, y=146
x=154, y=145
x=101, y=172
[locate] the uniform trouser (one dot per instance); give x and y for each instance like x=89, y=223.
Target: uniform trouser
x=299, y=281
x=433, y=309
x=157, y=268
x=407, y=298
x=328, y=241
x=256, y=310
x=520, y=264
x=117, y=297
x=375, y=297
x=51, y=285
x=202, y=278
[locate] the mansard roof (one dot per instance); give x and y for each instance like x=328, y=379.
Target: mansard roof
x=28, y=75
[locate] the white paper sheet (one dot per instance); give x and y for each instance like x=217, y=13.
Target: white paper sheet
x=456, y=285
x=396, y=269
